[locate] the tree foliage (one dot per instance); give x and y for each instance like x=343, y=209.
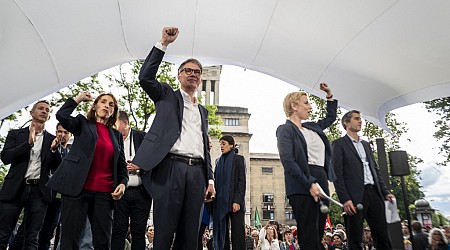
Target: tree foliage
x=442, y=108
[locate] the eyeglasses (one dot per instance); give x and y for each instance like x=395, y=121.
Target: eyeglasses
x=189, y=71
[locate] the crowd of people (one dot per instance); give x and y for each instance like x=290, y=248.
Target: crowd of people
x=97, y=192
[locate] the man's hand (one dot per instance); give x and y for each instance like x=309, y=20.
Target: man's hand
x=236, y=207
x=55, y=143
x=325, y=88
x=349, y=208
x=132, y=167
x=169, y=35
x=389, y=197
x=315, y=192
x=83, y=96
x=32, y=135
x=118, y=192
x=210, y=192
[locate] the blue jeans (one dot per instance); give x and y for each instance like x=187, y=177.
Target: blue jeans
x=34, y=212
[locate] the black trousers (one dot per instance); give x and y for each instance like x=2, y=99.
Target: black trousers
x=132, y=210
x=310, y=221
x=30, y=200
x=49, y=225
x=374, y=213
x=178, y=192
x=237, y=231
x=98, y=207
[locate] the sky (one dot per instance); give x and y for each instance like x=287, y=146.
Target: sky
x=263, y=96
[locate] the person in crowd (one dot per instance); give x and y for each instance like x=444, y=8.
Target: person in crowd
x=288, y=244
x=420, y=238
x=305, y=153
x=133, y=209
x=176, y=150
x=206, y=215
x=437, y=240
x=229, y=205
x=405, y=231
x=446, y=229
x=338, y=243
x=255, y=237
x=93, y=174
x=51, y=220
x=367, y=240
x=150, y=236
x=31, y=155
x=268, y=238
x=359, y=182
x=248, y=238
x=328, y=237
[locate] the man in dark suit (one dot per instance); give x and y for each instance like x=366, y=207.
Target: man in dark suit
x=134, y=207
x=420, y=238
x=359, y=182
x=176, y=150
x=29, y=152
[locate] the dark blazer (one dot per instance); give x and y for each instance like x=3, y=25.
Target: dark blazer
x=138, y=138
x=166, y=127
x=71, y=175
x=350, y=171
x=294, y=155
x=237, y=182
x=16, y=152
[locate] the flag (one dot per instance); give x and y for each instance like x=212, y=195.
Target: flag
x=257, y=219
x=328, y=223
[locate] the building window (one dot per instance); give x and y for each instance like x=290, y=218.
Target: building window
x=267, y=170
x=289, y=215
x=267, y=197
x=268, y=215
x=231, y=122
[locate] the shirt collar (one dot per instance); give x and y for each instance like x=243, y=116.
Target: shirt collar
x=187, y=97
x=353, y=140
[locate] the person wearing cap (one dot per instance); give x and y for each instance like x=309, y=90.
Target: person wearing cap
x=229, y=205
x=359, y=185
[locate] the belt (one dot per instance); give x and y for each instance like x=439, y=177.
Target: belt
x=186, y=159
x=32, y=181
x=135, y=187
x=369, y=186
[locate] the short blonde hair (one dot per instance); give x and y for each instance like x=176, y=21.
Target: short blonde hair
x=291, y=98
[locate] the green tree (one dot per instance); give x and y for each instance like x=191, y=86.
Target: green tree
x=441, y=107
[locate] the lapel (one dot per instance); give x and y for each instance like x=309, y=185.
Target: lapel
x=93, y=128
x=46, y=142
x=180, y=106
x=299, y=133
x=115, y=143
x=351, y=146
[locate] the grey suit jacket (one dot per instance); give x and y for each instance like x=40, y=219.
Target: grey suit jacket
x=166, y=127
x=350, y=171
x=71, y=175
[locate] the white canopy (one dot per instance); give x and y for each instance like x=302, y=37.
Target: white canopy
x=376, y=55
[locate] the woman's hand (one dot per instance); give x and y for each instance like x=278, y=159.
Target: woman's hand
x=325, y=88
x=236, y=207
x=118, y=192
x=83, y=96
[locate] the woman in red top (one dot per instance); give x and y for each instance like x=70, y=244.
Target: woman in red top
x=93, y=174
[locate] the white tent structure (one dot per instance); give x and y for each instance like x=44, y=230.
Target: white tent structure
x=377, y=55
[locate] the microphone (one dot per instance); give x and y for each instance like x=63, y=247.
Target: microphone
x=324, y=208
x=360, y=207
